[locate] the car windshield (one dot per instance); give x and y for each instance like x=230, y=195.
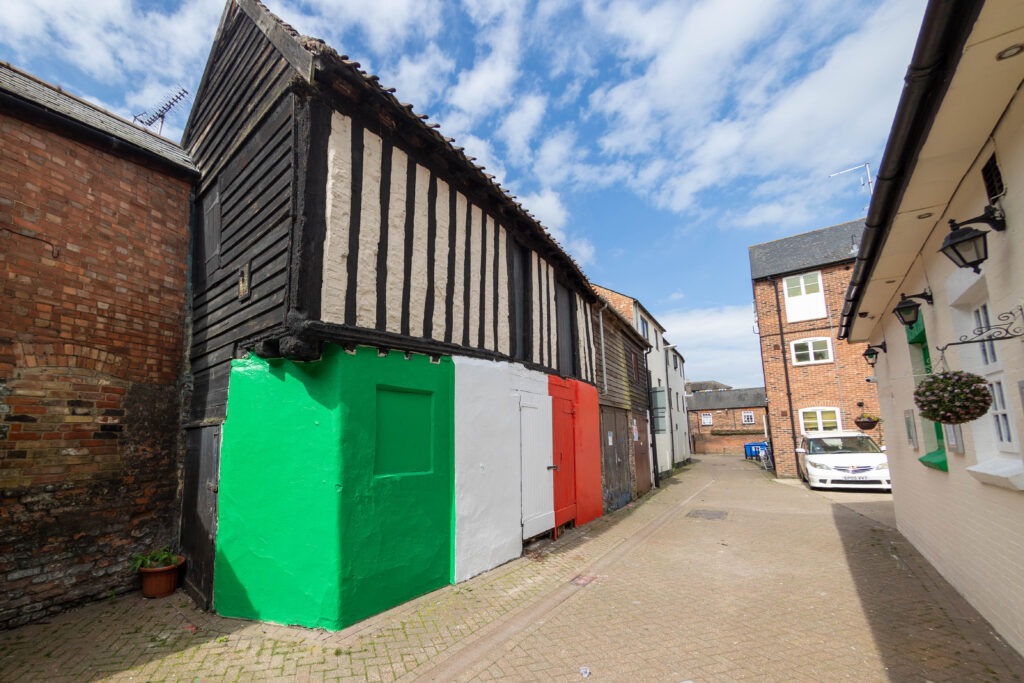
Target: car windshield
x=842, y=444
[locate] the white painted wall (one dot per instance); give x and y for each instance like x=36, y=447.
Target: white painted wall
x=681, y=425
x=488, y=460
x=968, y=522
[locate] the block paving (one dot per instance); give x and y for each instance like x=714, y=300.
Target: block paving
x=723, y=574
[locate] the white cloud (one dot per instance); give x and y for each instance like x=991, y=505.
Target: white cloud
x=489, y=84
x=385, y=24
x=548, y=208
x=718, y=343
x=520, y=126
x=483, y=153
x=773, y=108
x=422, y=77
x=486, y=87
x=552, y=165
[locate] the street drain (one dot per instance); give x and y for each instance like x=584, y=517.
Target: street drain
x=707, y=514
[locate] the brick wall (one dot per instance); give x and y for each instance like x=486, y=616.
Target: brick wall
x=91, y=353
x=840, y=384
x=727, y=434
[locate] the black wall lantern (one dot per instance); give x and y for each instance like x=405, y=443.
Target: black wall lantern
x=871, y=353
x=968, y=247
x=909, y=311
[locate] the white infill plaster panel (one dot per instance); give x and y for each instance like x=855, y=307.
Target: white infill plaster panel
x=396, y=239
x=338, y=216
x=553, y=309
x=487, y=280
x=458, y=292
x=504, y=340
x=536, y=306
x=418, y=272
x=369, y=233
x=441, y=274
x=474, y=278
x=488, y=529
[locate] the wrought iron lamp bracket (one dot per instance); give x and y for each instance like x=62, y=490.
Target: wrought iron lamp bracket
x=1011, y=326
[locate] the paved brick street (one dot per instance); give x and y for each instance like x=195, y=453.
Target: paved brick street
x=724, y=574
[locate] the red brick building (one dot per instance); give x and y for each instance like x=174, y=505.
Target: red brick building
x=94, y=217
x=812, y=381
x=723, y=421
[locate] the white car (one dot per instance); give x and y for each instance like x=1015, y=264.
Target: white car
x=841, y=459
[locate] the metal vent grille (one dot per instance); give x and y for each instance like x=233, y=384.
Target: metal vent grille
x=993, y=179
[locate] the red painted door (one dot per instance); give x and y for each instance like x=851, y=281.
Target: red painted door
x=563, y=432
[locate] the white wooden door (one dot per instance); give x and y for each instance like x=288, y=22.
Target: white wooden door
x=537, y=461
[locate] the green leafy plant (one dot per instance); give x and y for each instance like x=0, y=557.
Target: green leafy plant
x=953, y=397
x=868, y=416
x=164, y=557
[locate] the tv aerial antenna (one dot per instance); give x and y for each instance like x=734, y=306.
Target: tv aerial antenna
x=173, y=99
x=864, y=181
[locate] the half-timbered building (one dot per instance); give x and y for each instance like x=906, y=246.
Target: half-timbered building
x=392, y=361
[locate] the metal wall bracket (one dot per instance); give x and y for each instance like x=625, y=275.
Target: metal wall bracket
x=1011, y=326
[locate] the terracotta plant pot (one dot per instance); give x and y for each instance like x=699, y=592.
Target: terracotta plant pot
x=158, y=582
x=866, y=424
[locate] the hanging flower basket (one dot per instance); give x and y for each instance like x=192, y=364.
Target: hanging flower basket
x=866, y=421
x=953, y=397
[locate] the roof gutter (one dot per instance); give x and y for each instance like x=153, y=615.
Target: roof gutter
x=940, y=44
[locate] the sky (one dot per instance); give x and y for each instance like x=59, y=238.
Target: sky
x=656, y=140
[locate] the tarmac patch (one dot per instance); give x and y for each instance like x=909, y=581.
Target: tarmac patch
x=707, y=514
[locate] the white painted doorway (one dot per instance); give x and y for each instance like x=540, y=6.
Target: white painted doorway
x=536, y=452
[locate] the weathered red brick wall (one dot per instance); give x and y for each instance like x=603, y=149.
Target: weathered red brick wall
x=840, y=384
x=91, y=353
x=727, y=433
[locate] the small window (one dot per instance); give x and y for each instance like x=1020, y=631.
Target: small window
x=643, y=328
x=705, y=419
x=675, y=362
x=635, y=362
x=819, y=419
x=999, y=414
x=802, y=285
x=748, y=417
x=805, y=299
x=982, y=324
x=809, y=351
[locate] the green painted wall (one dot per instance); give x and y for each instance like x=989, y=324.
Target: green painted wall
x=335, y=497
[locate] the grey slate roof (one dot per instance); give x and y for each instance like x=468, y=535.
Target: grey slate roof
x=753, y=397
x=32, y=90
x=806, y=251
x=705, y=385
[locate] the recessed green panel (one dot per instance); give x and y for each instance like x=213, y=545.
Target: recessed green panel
x=404, y=432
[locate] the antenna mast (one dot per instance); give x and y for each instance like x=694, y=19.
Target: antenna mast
x=867, y=168
x=147, y=119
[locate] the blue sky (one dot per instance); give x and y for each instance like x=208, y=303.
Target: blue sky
x=655, y=139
